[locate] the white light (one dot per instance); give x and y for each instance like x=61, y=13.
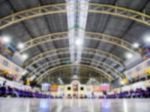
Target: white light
x=79, y=42
x=24, y=56
x=136, y=45
x=147, y=38
x=121, y=82
x=75, y=77
x=20, y=45
x=129, y=55
x=6, y=39
x=76, y=62
x=76, y=37
x=32, y=78
x=24, y=72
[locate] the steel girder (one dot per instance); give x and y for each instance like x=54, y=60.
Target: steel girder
x=102, y=72
x=96, y=64
x=89, y=35
x=67, y=52
x=61, y=8
x=52, y=51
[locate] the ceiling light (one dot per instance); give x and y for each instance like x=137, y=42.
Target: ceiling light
x=6, y=39
x=24, y=56
x=79, y=42
x=20, y=45
x=75, y=77
x=147, y=38
x=122, y=82
x=24, y=72
x=129, y=55
x=136, y=45
x=76, y=62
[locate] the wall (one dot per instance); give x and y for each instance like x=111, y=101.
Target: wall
x=139, y=70
x=11, y=68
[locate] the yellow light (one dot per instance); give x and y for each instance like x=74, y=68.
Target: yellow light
x=148, y=71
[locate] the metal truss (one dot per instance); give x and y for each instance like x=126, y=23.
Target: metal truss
x=100, y=71
x=36, y=60
x=52, y=51
x=46, y=65
x=61, y=8
x=44, y=39
x=103, y=65
x=100, y=78
x=58, y=64
x=90, y=35
x=112, y=40
x=95, y=63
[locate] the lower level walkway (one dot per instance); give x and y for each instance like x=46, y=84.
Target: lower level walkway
x=70, y=105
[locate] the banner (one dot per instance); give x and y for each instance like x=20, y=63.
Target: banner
x=54, y=88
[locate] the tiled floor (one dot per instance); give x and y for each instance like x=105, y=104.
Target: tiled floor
x=43, y=105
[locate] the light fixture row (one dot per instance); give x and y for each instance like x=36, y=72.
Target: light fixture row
x=78, y=43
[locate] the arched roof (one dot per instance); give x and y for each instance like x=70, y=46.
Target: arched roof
x=112, y=27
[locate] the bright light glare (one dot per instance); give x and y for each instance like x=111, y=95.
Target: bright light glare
x=121, y=82
x=79, y=42
x=24, y=72
x=74, y=77
x=76, y=62
x=147, y=38
x=136, y=45
x=129, y=55
x=20, y=46
x=24, y=56
x=6, y=39
x=76, y=37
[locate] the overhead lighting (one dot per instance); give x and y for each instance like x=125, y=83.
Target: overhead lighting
x=76, y=20
x=147, y=38
x=75, y=77
x=32, y=77
x=24, y=56
x=136, y=45
x=6, y=39
x=20, y=46
x=122, y=82
x=79, y=42
x=129, y=55
x=24, y=72
x=76, y=62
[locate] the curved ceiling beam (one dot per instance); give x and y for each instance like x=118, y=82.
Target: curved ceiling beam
x=105, y=66
x=61, y=8
x=58, y=64
x=51, y=76
x=52, y=69
x=66, y=52
x=51, y=51
x=89, y=35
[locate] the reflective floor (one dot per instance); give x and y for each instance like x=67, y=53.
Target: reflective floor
x=43, y=105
